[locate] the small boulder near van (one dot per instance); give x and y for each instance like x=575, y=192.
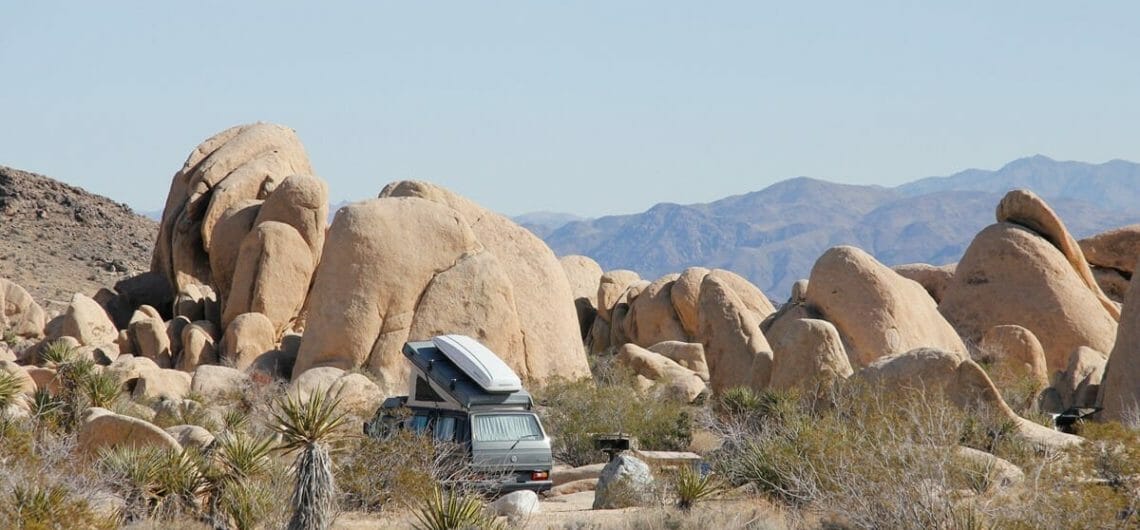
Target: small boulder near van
x=460, y=391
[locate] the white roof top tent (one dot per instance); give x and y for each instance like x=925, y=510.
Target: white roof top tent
x=456, y=372
x=479, y=363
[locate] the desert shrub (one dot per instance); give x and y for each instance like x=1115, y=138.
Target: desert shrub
x=870, y=458
x=453, y=510
x=397, y=471
x=132, y=472
x=689, y=487
x=46, y=411
x=10, y=337
x=572, y=411
x=47, y=506
x=249, y=504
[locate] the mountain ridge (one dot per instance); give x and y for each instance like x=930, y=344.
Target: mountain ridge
x=772, y=236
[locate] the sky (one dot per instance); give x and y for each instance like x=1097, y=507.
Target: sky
x=585, y=107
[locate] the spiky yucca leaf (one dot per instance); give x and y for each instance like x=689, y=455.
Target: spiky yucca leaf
x=234, y=420
x=134, y=467
x=247, y=504
x=303, y=422
x=11, y=387
x=180, y=473
x=691, y=487
x=56, y=353
x=34, y=505
x=101, y=390
x=44, y=407
x=452, y=511
x=242, y=456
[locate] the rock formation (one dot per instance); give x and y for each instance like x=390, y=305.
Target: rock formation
x=877, y=311
x=20, y=315
x=1026, y=270
x=584, y=275
x=244, y=219
x=420, y=261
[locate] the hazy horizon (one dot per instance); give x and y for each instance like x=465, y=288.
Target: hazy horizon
x=586, y=108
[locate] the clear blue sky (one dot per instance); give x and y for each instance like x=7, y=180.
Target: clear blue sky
x=584, y=107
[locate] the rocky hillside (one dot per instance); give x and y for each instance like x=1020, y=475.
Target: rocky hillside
x=773, y=236
x=57, y=239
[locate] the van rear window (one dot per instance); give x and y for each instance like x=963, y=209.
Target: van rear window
x=505, y=427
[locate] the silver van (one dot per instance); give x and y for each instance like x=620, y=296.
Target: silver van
x=498, y=430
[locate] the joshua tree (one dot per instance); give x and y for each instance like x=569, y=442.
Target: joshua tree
x=309, y=426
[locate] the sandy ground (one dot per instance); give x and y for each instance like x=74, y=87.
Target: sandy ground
x=573, y=512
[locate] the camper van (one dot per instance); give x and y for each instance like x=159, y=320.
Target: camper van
x=460, y=391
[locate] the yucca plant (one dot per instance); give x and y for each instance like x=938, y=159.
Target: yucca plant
x=11, y=388
x=49, y=506
x=248, y=503
x=134, y=471
x=180, y=480
x=452, y=511
x=56, y=353
x=691, y=487
x=234, y=421
x=242, y=456
x=46, y=412
x=233, y=484
x=101, y=390
x=309, y=426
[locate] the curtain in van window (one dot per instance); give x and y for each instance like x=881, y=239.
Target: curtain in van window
x=505, y=427
x=444, y=429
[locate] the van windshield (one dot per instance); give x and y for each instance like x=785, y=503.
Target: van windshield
x=505, y=427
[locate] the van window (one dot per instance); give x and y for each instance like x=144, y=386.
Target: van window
x=444, y=429
x=418, y=423
x=505, y=427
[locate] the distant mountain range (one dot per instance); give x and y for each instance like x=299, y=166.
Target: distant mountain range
x=773, y=236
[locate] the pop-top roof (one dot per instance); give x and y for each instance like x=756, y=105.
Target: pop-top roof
x=479, y=363
x=444, y=374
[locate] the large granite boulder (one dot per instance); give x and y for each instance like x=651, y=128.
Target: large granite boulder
x=1026, y=270
x=19, y=312
x=876, y=311
x=421, y=261
x=735, y=349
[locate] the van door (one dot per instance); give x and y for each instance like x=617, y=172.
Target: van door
x=509, y=442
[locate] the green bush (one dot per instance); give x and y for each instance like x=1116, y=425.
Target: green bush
x=36, y=506
x=56, y=353
x=691, y=487
x=11, y=390
x=451, y=510
x=572, y=411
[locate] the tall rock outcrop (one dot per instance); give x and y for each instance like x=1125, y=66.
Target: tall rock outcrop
x=736, y=350
x=1028, y=271
x=1120, y=387
x=584, y=274
x=243, y=227
x=420, y=261
x=547, y=319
